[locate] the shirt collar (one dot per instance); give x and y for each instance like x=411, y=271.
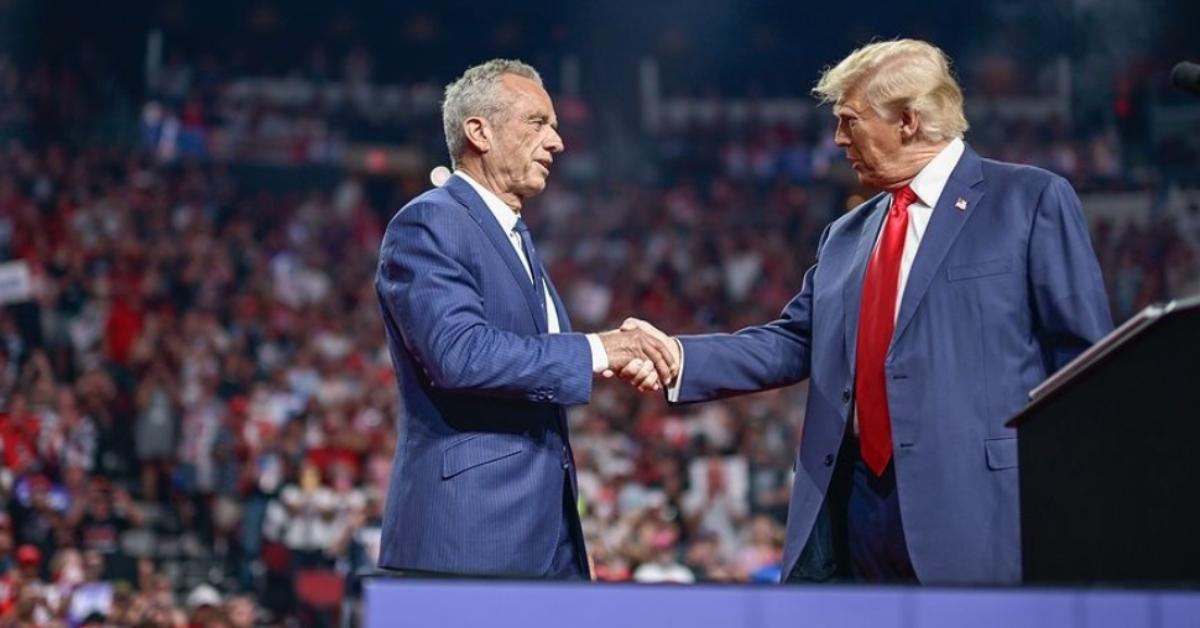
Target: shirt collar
x=932, y=179
x=503, y=213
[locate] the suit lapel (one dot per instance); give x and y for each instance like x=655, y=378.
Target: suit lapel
x=465, y=194
x=944, y=226
x=852, y=292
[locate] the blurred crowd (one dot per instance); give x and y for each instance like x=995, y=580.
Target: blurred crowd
x=196, y=403
x=196, y=389
x=325, y=105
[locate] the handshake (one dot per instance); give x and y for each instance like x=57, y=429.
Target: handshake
x=642, y=355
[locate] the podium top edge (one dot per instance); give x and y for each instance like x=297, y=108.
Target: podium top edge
x=1096, y=354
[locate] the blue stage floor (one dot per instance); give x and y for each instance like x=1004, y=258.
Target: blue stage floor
x=500, y=604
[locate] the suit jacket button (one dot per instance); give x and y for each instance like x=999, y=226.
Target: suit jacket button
x=566, y=465
x=846, y=395
x=829, y=460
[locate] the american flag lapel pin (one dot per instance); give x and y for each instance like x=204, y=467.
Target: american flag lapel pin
x=961, y=204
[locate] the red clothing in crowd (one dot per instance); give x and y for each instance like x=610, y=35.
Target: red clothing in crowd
x=18, y=439
x=122, y=329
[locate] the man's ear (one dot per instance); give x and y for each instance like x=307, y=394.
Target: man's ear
x=910, y=124
x=478, y=133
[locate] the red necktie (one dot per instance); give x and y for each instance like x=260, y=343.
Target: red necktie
x=876, y=322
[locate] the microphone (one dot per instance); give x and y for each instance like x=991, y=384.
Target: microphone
x=1186, y=76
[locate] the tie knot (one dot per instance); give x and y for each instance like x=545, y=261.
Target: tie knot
x=521, y=227
x=902, y=198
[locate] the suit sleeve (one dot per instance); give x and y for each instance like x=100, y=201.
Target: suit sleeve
x=755, y=358
x=426, y=287
x=1071, y=309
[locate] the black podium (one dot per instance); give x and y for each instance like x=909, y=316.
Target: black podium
x=1110, y=458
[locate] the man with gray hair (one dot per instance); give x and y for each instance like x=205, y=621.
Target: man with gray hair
x=483, y=480
x=933, y=308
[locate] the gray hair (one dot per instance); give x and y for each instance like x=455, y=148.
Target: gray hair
x=897, y=75
x=477, y=93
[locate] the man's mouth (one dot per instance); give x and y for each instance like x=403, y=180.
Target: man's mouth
x=544, y=163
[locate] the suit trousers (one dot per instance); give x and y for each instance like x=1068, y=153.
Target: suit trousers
x=859, y=534
x=878, y=551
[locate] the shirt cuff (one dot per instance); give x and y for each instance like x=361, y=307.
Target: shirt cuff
x=599, y=355
x=673, y=391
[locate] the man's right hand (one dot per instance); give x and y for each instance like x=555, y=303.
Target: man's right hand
x=633, y=348
x=642, y=373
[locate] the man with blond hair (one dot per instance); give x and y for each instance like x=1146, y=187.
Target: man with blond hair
x=931, y=311
x=483, y=481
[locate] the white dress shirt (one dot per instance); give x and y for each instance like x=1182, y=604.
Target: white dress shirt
x=928, y=186
x=507, y=217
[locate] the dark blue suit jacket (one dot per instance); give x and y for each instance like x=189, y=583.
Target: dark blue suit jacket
x=478, y=478
x=999, y=296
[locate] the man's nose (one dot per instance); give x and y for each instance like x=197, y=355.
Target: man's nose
x=554, y=143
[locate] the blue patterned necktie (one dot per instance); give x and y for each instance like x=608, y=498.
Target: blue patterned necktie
x=535, y=264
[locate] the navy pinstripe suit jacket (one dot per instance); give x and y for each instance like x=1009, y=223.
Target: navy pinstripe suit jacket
x=477, y=482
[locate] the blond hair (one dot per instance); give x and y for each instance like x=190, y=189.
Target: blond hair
x=477, y=93
x=898, y=75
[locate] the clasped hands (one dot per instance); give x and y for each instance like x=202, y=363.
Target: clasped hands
x=642, y=355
